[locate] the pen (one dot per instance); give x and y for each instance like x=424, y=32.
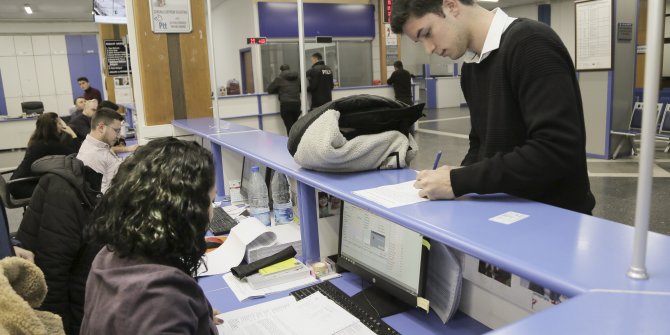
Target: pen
x=438, y=155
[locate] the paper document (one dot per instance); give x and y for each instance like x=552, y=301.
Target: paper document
x=313, y=315
x=392, y=195
x=231, y=252
x=243, y=290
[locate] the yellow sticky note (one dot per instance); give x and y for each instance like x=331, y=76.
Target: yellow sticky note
x=423, y=303
x=281, y=266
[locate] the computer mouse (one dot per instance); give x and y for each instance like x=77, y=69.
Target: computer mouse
x=212, y=244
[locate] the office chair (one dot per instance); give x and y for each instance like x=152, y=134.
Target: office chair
x=6, y=187
x=32, y=107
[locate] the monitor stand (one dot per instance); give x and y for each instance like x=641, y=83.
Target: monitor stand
x=378, y=302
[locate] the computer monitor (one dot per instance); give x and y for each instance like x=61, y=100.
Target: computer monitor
x=389, y=256
x=6, y=248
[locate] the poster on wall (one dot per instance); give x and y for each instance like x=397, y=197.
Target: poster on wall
x=593, y=30
x=122, y=90
x=170, y=16
x=117, y=60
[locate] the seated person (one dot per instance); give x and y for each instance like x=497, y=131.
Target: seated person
x=78, y=107
x=96, y=150
x=152, y=222
x=81, y=124
x=120, y=145
x=51, y=137
x=52, y=228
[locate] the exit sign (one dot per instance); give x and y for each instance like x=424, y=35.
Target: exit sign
x=387, y=10
x=256, y=40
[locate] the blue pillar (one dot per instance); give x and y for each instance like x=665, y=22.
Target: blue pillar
x=309, y=222
x=544, y=14
x=218, y=171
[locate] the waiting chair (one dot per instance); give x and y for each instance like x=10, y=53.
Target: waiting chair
x=634, y=128
x=6, y=188
x=32, y=107
x=664, y=128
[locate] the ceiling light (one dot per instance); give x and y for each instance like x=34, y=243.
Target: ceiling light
x=487, y=1
x=28, y=9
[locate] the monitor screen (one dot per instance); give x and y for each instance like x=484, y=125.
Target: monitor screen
x=110, y=11
x=390, y=256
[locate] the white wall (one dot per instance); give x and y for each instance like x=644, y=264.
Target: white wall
x=232, y=22
x=563, y=22
x=47, y=27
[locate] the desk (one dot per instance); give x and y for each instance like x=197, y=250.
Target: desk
x=564, y=251
x=16, y=132
x=410, y=322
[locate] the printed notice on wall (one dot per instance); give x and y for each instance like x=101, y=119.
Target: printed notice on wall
x=170, y=16
x=593, y=26
x=117, y=60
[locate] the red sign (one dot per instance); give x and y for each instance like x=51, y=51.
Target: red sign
x=387, y=10
x=256, y=40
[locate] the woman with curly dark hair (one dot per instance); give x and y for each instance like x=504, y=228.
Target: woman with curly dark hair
x=153, y=221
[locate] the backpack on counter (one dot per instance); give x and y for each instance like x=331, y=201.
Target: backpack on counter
x=356, y=133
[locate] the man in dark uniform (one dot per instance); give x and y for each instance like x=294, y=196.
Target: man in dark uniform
x=287, y=85
x=320, y=78
x=401, y=81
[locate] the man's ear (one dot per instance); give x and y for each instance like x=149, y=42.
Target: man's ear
x=451, y=6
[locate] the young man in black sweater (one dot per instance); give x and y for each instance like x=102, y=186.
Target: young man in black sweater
x=527, y=137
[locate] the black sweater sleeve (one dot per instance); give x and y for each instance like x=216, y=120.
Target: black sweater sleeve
x=543, y=79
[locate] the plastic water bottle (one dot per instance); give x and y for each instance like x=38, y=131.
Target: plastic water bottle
x=258, y=197
x=281, y=199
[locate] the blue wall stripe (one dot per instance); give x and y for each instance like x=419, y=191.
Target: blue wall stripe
x=544, y=13
x=3, y=103
x=83, y=61
x=280, y=20
x=431, y=93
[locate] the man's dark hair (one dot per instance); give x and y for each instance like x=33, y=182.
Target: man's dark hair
x=157, y=208
x=82, y=79
x=77, y=98
x=317, y=55
x=284, y=67
x=109, y=104
x=397, y=64
x=403, y=9
x=106, y=116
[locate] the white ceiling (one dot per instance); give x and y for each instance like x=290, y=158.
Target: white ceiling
x=80, y=10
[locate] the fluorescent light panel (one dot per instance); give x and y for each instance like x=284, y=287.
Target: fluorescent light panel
x=487, y=0
x=28, y=9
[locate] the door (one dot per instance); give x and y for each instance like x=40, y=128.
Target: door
x=247, y=72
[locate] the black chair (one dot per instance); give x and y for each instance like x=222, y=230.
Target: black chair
x=6, y=188
x=664, y=129
x=634, y=128
x=6, y=248
x=32, y=107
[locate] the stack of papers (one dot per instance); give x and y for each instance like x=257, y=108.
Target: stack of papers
x=313, y=315
x=250, y=240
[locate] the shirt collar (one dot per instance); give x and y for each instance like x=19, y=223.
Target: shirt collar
x=94, y=141
x=492, y=42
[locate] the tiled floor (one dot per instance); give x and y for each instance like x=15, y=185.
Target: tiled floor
x=614, y=182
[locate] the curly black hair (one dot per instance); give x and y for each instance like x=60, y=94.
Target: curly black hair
x=157, y=207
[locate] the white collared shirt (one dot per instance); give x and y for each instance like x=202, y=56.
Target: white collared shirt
x=492, y=42
x=99, y=156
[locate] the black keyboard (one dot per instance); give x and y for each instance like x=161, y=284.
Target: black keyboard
x=332, y=292
x=221, y=222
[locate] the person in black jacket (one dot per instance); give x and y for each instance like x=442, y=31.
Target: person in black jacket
x=51, y=137
x=320, y=78
x=81, y=124
x=52, y=228
x=287, y=84
x=527, y=135
x=401, y=80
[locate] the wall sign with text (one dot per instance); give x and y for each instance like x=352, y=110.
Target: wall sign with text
x=117, y=61
x=256, y=40
x=170, y=16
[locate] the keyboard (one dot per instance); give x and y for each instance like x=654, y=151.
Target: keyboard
x=221, y=222
x=373, y=322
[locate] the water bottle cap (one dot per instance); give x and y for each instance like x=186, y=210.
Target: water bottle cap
x=254, y=168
